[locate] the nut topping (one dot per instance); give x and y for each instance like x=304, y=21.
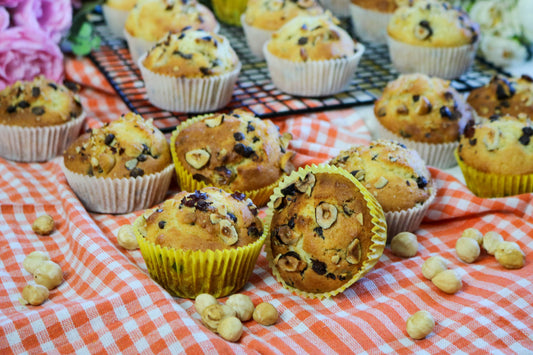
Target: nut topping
x=305, y=3
x=325, y=214
x=285, y=140
x=381, y=183
x=354, y=252
x=227, y=232
x=287, y=235
x=402, y=110
x=291, y=262
x=285, y=163
x=306, y=185
x=197, y=158
x=492, y=140
x=359, y=218
x=424, y=107
x=423, y=30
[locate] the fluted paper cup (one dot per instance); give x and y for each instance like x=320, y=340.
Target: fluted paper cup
x=369, y=25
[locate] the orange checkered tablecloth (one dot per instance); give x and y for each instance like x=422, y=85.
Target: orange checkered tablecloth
x=109, y=304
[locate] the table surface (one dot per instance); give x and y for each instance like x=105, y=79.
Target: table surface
x=108, y=303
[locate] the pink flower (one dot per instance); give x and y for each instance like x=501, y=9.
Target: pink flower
x=4, y=19
x=26, y=52
x=10, y=3
x=53, y=16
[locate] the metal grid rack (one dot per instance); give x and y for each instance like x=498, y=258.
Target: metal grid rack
x=254, y=89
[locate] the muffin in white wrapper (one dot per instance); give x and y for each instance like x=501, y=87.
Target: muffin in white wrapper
x=182, y=94
x=37, y=144
x=117, y=196
x=369, y=25
x=339, y=8
x=115, y=20
x=137, y=46
x=255, y=38
x=313, y=78
x=445, y=62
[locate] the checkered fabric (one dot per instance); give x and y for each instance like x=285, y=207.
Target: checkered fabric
x=108, y=303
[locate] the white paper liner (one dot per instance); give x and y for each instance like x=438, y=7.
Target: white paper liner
x=137, y=46
x=312, y=78
x=108, y=195
x=445, y=62
x=115, y=20
x=37, y=144
x=408, y=220
x=194, y=95
x=369, y=25
x=255, y=38
x=439, y=155
x=339, y=8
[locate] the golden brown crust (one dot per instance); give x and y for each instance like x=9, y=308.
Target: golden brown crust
x=152, y=19
x=311, y=38
x=125, y=5
x=394, y=174
x=127, y=147
x=191, y=54
x=38, y=103
x=243, y=152
x=309, y=254
x=385, y=6
x=423, y=109
x=502, y=145
x=504, y=96
x=208, y=219
x=271, y=15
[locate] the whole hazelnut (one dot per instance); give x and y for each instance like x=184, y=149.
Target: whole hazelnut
x=447, y=281
x=48, y=274
x=33, y=260
x=404, y=244
x=467, y=249
x=243, y=306
x=202, y=301
x=126, y=237
x=474, y=234
x=230, y=328
x=35, y=294
x=43, y=225
x=420, y=324
x=265, y=314
x=509, y=255
x=491, y=241
x=433, y=266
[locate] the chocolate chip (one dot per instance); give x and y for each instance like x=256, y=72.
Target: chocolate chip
x=253, y=209
x=205, y=71
x=243, y=150
x=136, y=172
x=472, y=142
x=319, y=231
x=23, y=104
x=159, y=210
x=35, y=91
x=161, y=224
x=250, y=127
x=37, y=110
x=239, y=196
x=200, y=177
x=527, y=78
x=11, y=108
x=53, y=86
x=196, y=199
x=183, y=55
x=318, y=266
x=445, y=112
x=421, y=182
x=416, y=98
x=525, y=138
x=109, y=138
x=330, y=276
x=232, y=217
x=239, y=136
x=291, y=222
x=71, y=86
x=504, y=89
x=289, y=190
x=253, y=231
x=142, y=157
x=302, y=41
x=469, y=129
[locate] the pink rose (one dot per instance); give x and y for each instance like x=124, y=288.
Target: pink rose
x=10, y=3
x=53, y=16
x=26, y=52
x=4, y=19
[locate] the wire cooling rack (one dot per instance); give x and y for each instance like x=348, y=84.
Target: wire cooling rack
x=254, y=89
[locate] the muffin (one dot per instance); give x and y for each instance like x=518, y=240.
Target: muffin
x=432, y=38
x=312, y=56
x=115, y=13
x=339, y=8
x=263, y=17
x=206, y=241
x=426, y=114
x=503, y=96
x=235, y=152
x=151, y=20
x=371, y=17
x=326, y=231
x=398, y=178
x=496, y=157
x=121, y=167
x=38, y=119
x=190, y=71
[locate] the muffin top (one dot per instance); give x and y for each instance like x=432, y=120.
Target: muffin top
x=385, y=6
x=501, y=145
x=321, y=234
x=311, y=38
x=432, y=24
x=127, y=147
x=236, y=151
x=207, y=219
x=193, y=54
x=270, y=15
x=396, y=175
x=38, y=103
x=125, y=5
x=423, y=109
x=504, y=96
x=152, y=19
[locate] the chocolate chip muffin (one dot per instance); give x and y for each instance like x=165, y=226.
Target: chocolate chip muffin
x=326, y=231
x=496, y=157
x=235, y=151
x=504, y=96
x=120, y=167
x=206, y=241
x=423, y=113
x=398, y=178
x=38, y=119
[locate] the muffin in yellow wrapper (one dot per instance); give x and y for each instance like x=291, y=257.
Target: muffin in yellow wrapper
x=207, y=241
x=235, y=152
x=326, y=231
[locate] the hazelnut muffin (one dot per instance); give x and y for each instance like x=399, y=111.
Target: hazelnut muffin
x=215, y=237
x=121, y=167
x=190, y=71
x=151, y=20
x=38, y=119
x=235, y=152
x=263, y=17
x=426, y=114
x=398, y=178
x=433, y=38
x=504, y=96
x=326, y=231
x=496, y=157
x=312, y=56
x=115, y=13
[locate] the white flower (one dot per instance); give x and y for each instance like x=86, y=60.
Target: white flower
x=525, y=17
x=496, y=17
x=502, y=51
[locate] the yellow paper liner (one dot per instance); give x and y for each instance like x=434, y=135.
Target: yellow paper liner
x=379, y=230
x=489, y=185
x=187, y=273
x=188, y=183
x=229, y=11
